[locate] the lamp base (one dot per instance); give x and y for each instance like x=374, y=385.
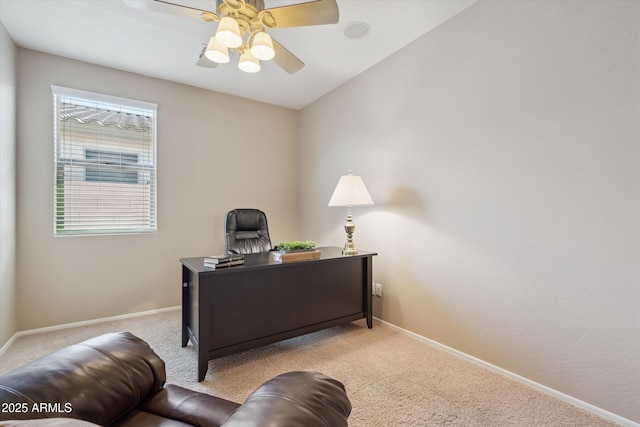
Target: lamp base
x=349, y=227
x=349, y=250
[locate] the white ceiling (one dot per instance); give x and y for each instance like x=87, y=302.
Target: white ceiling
x=107, y=32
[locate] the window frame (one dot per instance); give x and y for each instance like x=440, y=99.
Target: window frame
x=121, y=105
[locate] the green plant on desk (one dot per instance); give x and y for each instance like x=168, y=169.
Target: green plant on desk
x=296, y=245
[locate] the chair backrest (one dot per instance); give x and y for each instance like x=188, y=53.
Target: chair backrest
x=246, y=231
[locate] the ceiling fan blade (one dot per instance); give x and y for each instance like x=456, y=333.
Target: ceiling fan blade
x=166, y=7
x=203, y=61
x=285, y=59
x=318, y=12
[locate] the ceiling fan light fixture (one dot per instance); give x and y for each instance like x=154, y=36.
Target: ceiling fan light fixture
x=228, y=33
x=216, y=52
x=249, y=63
x=262, y=47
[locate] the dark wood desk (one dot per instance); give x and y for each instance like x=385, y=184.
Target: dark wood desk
x=232, y=309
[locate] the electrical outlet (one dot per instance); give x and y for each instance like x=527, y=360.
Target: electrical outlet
x=377, y=289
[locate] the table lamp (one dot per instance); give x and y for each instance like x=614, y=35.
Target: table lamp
x=350, y=191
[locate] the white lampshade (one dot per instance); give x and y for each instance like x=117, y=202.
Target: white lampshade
x=249, y=63
x=217, y=52
x=228, y=33
x=262, y=47
x=350, y=191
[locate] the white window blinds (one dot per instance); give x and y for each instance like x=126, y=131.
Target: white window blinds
x=105, y=164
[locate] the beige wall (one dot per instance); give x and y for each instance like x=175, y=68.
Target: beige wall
x=503, y=153
x=215, y=152
x=7, y=187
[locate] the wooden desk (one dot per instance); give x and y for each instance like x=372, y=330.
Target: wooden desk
x=232, y=309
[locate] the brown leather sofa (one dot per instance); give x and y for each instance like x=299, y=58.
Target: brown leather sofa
x=118, y=380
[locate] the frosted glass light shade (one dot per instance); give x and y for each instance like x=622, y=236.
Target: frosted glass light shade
x=228, y=33
x=249, y=63
x=217, y=52
x=262, y=47
x=350, y=191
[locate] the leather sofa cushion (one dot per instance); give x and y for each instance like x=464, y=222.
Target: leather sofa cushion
x=138, y=418
x=188, y=406
x=48, y=422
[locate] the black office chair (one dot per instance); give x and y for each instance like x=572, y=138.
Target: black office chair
x=246, y=231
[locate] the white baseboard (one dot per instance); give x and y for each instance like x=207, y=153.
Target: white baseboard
x=85, y=323
x=7, y=344
x=559, y=395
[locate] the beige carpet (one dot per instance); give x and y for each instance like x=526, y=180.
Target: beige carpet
x=391, y=378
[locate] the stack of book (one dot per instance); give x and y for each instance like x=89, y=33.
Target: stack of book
x=226, y=260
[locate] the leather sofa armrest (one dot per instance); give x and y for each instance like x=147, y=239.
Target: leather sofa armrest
x=188, y=406
x=294, y=399
x=98, y=380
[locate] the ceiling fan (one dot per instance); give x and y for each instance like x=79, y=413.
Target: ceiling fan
x=242, y=28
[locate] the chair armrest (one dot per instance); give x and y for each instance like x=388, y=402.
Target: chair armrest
x=294, y=399
x=188, y=406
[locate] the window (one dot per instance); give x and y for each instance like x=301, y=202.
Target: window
x=105, y=164
x=96, y=173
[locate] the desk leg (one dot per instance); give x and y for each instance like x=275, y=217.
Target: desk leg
x=185, y=305
x=200, y=297
x=368, y=281
x=203, y=364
